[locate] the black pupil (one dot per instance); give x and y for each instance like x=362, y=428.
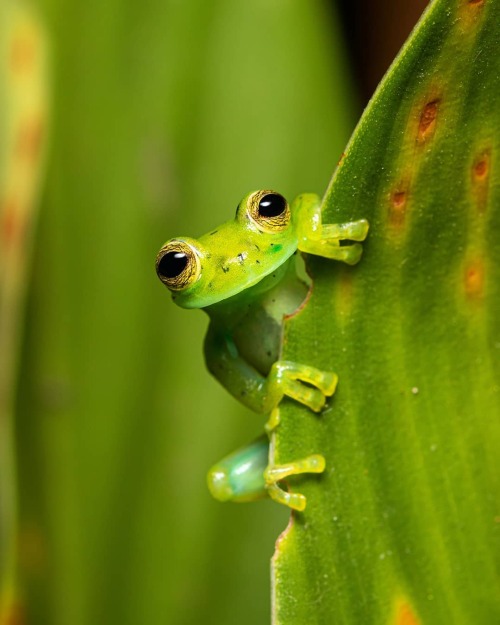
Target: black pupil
x=172, y=264
x=272, y=205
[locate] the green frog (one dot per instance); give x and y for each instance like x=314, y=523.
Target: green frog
x=243, y=275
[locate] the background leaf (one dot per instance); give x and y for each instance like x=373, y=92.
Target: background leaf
x=403, y=527
x=165, y=114
x=24, y=104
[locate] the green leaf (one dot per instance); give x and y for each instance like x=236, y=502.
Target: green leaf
x=24, y=105
x=165, y=114
x=403, y=526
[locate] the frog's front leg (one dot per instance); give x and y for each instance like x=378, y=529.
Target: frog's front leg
x=305, y=384
x=320, y=239
x=240, y=475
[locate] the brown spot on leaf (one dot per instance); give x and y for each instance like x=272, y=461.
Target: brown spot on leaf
x=15, y=615
x=427, y=121
x=10, y=223
x=470, y=15
x=399, y=199
x=29, y=139
x=480, y=169
x=397, y=206
x=474, y=279
x=480, y=174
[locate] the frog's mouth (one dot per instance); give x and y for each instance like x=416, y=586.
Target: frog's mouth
x=203, y=272
x=224, y=277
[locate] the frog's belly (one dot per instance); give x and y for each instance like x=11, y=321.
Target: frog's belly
x=258, y=341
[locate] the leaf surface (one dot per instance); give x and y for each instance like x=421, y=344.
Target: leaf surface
x=24, y=108
x=403, y=526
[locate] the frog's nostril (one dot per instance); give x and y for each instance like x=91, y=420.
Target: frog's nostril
x=171, y=265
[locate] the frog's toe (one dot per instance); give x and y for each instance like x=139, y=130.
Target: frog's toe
x=311, y=464
x=296, y=501
x=350, y=254
x=329, y=383
x=275, y=473
x=313, y=399
x=310, y=396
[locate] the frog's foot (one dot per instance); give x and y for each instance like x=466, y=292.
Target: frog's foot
x=349, y=254
x=326, y=241
x=321, y=239
x=349, y=231
x=275, y=473
x=305, y=384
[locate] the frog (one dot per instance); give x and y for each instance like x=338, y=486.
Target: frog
x=243, y=275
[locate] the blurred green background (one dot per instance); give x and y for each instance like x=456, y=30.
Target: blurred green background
x=164, y=114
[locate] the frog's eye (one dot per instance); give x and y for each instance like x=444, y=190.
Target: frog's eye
x=269, y=210
x=177, y=265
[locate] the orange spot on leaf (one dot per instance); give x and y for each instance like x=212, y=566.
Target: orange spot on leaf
x=399, y=199
x=474, y=279
x=15, y=615
x=480, y=173
x=10, y=224
x=470, y=15
x=22, y=53
x=406, y=616
x=427, y=121
x=397, y=207
x=480, y=169
x=29, y=140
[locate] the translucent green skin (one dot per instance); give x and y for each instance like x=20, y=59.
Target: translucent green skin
x=247, y=283
x=237, y=255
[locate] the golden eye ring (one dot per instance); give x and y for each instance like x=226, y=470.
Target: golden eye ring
x=268, y=210
x=177, y=265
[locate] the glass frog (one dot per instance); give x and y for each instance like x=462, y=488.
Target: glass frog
x=243, y=275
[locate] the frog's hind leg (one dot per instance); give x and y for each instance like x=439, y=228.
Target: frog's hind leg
x=275, y=473
x=240, y=476
x=249, y=474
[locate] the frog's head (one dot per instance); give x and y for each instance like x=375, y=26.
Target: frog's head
x=231, y=258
